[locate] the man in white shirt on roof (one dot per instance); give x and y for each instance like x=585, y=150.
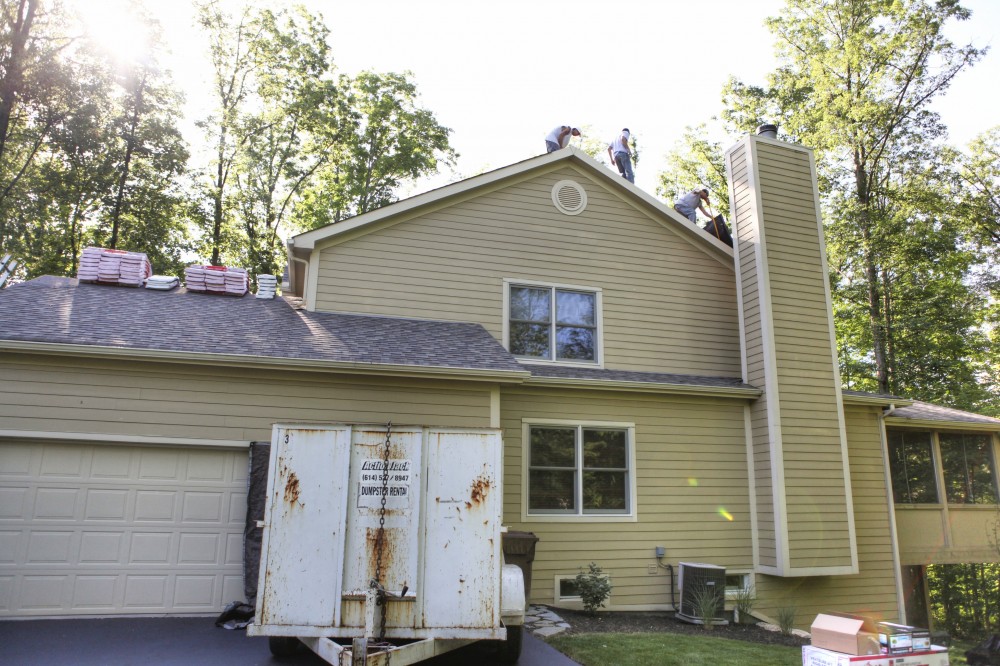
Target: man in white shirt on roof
x=621, y=155
x=559, y=137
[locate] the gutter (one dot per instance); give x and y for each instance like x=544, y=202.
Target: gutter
x=901, y=422
x=267, y=362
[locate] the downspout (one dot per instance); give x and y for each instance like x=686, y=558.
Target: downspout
x=305, y=273
x=891, y=506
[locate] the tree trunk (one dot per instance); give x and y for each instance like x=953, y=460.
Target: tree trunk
x=875, y=316
x=130, y=142
x=10, y=85
x=220, y=182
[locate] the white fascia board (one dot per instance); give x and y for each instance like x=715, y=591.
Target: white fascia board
x=265, y=362
x=306, y=242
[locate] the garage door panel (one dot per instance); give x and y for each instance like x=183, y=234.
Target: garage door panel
x=116, y=529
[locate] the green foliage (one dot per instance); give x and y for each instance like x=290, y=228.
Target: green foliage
x=744, y=601
x=707, y=601
x=667, y=649
x=965, y=598
x=594, y=587
x=786, y=619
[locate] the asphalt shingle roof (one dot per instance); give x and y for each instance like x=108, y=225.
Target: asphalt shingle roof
x=922, y=411
x=61, y=311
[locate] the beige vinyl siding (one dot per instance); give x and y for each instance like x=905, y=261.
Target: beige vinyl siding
x=873, y=588
x=668, y=306
x=815, y=491
x=691, y=465
x=52, y=394
x=745, y=228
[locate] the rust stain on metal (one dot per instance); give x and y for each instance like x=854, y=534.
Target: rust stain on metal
x=389, y=545
x=480, y=488
x=468, y=505
x=292, y=489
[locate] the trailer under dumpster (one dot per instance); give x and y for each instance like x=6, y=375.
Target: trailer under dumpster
x=383, y=544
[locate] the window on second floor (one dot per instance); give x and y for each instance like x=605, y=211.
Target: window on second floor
x=553, y=323
x=911, y=462
x=969, y=476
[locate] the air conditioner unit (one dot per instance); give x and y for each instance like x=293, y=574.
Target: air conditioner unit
x=697, y=580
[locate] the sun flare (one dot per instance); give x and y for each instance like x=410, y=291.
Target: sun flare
x=115, y=28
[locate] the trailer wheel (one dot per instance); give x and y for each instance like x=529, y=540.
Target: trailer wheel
x=283, y=646
x=510, y=649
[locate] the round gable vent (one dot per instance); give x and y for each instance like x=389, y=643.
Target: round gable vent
x=569, y=197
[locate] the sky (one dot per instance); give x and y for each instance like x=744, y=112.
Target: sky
x=502, y=74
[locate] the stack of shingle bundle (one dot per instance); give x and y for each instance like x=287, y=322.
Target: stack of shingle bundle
x=162, y=282
x=194, y=278
x=266, y=285
x=134, y=269
x=90, y=263
x=113, y=267
x=236, y=281
x=216, y=279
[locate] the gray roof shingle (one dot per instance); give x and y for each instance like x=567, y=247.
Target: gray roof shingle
x=61, y=311
x=923, y=411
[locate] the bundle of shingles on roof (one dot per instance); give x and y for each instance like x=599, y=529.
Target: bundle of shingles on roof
x=266, y=285
x=106, y=266
x=216, y=279
x=162, y=282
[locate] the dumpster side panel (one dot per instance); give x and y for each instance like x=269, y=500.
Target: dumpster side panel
x=305, y=517
x=462, y=530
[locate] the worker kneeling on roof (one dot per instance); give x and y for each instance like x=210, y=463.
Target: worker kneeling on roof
x=688, y=203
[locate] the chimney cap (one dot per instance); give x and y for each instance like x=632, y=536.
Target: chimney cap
x=768, y=131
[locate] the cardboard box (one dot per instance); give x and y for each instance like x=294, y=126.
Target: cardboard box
x=850, y=634
x=814, y=656
x=900, y=638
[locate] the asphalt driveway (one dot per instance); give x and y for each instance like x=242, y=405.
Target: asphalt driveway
x=182, y=642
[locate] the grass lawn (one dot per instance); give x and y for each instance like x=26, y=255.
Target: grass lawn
x=666, y=649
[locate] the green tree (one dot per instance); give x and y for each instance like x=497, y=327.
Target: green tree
x=855, y=79
x=296, y=130
x=390, y=139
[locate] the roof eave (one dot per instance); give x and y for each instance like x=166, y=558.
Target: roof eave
x=935, y=424
x=748, y=393
x=876, y=400
x=266, y=362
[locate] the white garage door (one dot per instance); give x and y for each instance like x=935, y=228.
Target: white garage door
x=91, y=529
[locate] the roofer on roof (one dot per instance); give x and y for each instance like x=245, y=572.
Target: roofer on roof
x=621, y=156
x=687, y=204
x=559, y=137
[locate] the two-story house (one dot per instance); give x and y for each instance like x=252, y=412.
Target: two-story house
x=655, y=388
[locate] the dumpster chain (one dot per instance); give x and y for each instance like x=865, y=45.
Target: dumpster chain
x=382, y=598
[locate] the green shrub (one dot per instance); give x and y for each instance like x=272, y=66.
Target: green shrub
x=744, y=599
x=594, y=587
x=786, y=619
x=706, y=601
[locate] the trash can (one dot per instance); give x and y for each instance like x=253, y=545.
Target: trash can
x=519, y=549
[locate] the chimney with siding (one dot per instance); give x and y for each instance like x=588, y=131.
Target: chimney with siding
x=800, y=480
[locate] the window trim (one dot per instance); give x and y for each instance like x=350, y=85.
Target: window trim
x=598, y=322
x=749, y=583
x=630, y=516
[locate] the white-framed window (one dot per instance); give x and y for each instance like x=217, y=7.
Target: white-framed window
x=566, y=594
x=552, y=323
x=737, y=581
x=581, y=471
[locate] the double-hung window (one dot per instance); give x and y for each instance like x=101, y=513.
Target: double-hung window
x=579, y=470
x=553, y=323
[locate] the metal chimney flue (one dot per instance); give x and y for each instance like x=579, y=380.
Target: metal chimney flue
x=768, y=131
